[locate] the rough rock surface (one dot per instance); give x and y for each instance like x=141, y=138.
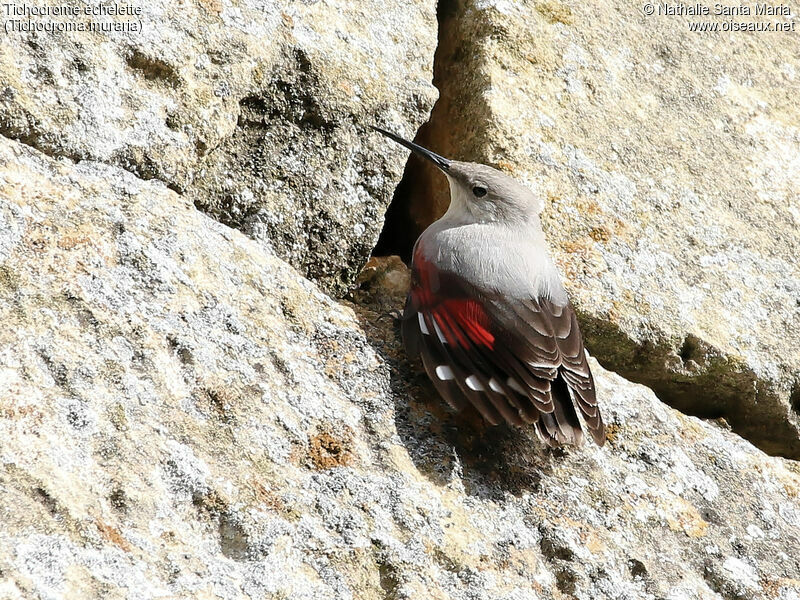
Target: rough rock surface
x=255, y=111
x=183, y=415
x=670, y=165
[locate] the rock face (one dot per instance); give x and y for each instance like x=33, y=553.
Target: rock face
x=669, y=163
x=255, y=112
x=183, y=415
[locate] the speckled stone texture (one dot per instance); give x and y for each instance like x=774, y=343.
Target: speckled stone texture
x=257, y=112
x=183, y=415
x=670, y=166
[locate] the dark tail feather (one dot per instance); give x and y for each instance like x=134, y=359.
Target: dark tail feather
x=562, y=425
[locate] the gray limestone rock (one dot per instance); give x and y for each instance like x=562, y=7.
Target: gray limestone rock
x=183, y=415
x=256, y=112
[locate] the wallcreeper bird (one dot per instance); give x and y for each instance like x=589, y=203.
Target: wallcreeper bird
x=487, y=311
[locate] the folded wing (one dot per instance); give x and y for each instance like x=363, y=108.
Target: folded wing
x=519, y=360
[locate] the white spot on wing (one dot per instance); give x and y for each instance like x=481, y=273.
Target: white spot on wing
x=474, y=384
x=439, y=332
x=444, y=373
x=495, y=385
x=422, y=327
x=514, y=385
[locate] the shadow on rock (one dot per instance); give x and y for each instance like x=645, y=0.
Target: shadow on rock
x=445, y=445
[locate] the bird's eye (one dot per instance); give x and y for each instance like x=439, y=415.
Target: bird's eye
x=479, y=191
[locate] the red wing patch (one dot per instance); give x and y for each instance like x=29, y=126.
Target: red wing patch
x=461, y=319
x=518, y=360
x=455, y=314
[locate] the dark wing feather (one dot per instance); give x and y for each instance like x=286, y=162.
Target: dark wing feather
x=518, y=360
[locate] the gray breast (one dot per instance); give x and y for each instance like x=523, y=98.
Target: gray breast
x=515, y=263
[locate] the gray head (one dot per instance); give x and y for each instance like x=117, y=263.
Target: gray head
x=479, y=191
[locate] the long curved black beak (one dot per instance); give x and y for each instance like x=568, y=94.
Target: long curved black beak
x=439, y=161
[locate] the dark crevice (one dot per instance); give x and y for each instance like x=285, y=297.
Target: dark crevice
x=708, y=384
x=119, y=500
x=794, y=399
x=174, y=187
x=561, y=558
x=400, y=230
x=637, y=568
x=689, y=348
x=50, y=503
x=422, y=194
x=234, y=540
x=553, y=550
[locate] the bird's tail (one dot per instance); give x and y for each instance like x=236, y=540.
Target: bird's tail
x=562, y=425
